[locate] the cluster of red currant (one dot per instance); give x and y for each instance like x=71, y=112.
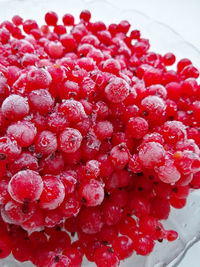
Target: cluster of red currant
x=98, y=140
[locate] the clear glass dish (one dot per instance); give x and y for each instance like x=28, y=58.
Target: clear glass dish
x=163, y=39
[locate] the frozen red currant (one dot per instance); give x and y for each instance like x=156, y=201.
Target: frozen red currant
x=53, y=193
x=25, y=186
x=92, y=193
x=117, y=90
x=70, y=140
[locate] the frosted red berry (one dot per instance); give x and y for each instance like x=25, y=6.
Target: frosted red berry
x=25, y=186
x=38, y=79
x=23, y=132
x=70, y=140
x=137, y=127
x=151, y=154
x=15, y=107
x=92, y=193
x=53, y=193
x=117, y=90
x=46, y=142
x=41, y=101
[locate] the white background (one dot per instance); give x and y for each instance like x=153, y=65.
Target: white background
x=184, y=17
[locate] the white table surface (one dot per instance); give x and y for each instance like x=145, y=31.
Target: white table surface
x=184, y=17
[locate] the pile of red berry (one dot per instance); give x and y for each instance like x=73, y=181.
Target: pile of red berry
x=98, y=140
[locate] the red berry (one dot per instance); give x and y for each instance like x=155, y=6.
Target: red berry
x=169, y=59
x=90, y=220
x=137, y=127
x=5, y=249
x=46, y=142
x=68, y=20
x=123, y=247
x=85, y=15
x=151, y=154
x=23, y=132
x=41, y=101
x=106, y=257
x=117, y=90
x=143, y=245
x=17, y=20
x=38, y=78
x=103, y=129
x=15, y=107
x=119, y=156
x=53, y=193
x=51, y=18
x=92, y=193
x=73, y=110
x=25, y=186
x=70, y=140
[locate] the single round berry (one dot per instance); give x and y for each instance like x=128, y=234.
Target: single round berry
x=90, y=220
x=15, y=107
x=68, y=20
x=174, y=131
x=68, y=42
x=70, y=140
x=106, y=257
x=153, y=108
x=112, y=213
x=53, y=193
x=103, y=129
x=169, y=59
x=55, y=49
x=123, y=247
x=51, y=18
x=159, y=208
x=41, y=101
x=119, y=156
x=143, y=245
x=57, y=122
x=25, y=186
x=46, y=142
x=85, y=15
x=92, y=193
x=23, y=132
x=168, y=173
x=71, y=206
x=17, y=20
x=174, y=90
x=151, y=154
x=117, y=90
x=74, y=255
x=5, y=249
x=73, y=110
x=15, y=213
x=38, y=78
x=137, y=127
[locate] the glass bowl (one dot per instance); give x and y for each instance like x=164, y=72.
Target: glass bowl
x=162, y=39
